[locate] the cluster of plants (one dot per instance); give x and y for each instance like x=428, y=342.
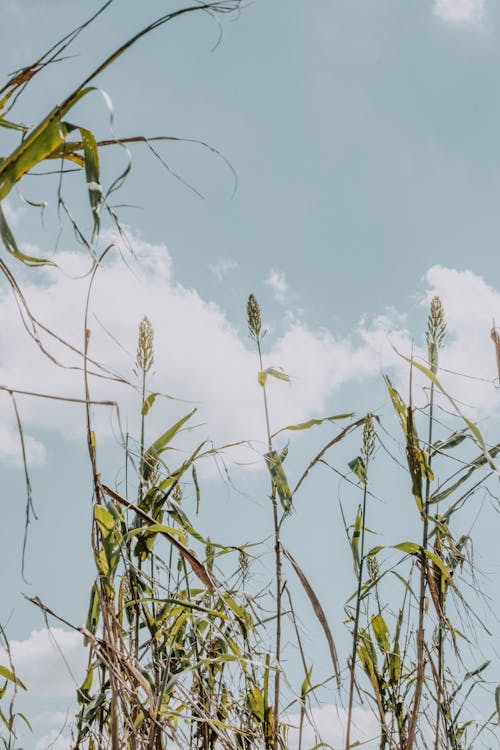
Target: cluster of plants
x=181, y=651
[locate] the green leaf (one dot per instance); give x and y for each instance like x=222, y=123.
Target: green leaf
x=306, y=685
x=93, y=612
x=25, y=719
x=256, y=702
x=451, y=442
x=411, y=548
x=104, y=520
x=91, y=157
x=279, y=480
x=9, y=675
x=395, y=657
x=274, y=373
x=279, y=374
x=313, y=423
x=148, y=403
x=156, y=449
x=38, y=145
x=397, y=402
x=356, y=534
x=497, y=701
x=83, y=692
x=357, y=465
x=158, y=528
x=478, y=438
x=381, y=633
x=10, y=245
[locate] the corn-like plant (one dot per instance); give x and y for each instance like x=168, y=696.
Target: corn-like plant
x=178, y=649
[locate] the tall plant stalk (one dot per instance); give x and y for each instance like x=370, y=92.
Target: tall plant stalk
x=436, y=328
x=256, y=334
x=361, y=469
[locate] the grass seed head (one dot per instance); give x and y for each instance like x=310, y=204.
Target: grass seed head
x=436, y=324
x=177, y=494
x=254, y=318
x=372, y=565
x=145, y=346
x=436, y=329
x=368, y=438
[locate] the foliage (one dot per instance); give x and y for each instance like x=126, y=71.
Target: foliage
x=178, y=649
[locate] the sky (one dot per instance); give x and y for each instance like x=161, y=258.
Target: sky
x=365, y=142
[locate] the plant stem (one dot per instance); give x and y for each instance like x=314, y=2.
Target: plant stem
x=421, y=661
x=278, y=572
x=356, y=620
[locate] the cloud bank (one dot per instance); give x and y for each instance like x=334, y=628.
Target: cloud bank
x=209, y=363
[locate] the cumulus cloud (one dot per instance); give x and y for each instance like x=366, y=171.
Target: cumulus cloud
x=200, y=356
x=460, y=11
x=278, y=284
x=54, y=740
x=329, y=724
x=203, y=359
x=50, y=663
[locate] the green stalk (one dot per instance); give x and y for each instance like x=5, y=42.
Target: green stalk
x=256, y=334
x=278, y=570
x=436, y=327
x=368, y=446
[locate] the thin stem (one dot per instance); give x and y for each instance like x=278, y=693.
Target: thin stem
x=421, y=661
x=356, y=619
x=278, y=571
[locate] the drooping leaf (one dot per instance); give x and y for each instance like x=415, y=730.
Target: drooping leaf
x=313, y=423
x=278, y=374
x=256, y=703
x=7, y=674
x=356, y=534
x=397, y=402
x=452, y=441
x=91, y=158
x=104, y=520
x=318, y=611
x=93, y=612
x=358, y=467
x=10, y=245
x=39, y=144
x=381, y=633
x=478, y=438
x=279, y=480
x=148, y=403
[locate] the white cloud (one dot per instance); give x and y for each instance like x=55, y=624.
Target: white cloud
x=41, y=667
x=10, y=445
x=460, y=11
x=54, y=740
x=202, y=358
x=330, y=724
x=222, y=268
x=278, y=283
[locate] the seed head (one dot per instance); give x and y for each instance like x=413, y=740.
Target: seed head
x=436, y=323
x=254, y=318
x=243, y=560
x=372, y=565
x=145, y=348
x=368, y=438
x=177, y=494
x=436, y=329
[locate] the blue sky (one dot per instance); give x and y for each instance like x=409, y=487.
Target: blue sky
x=365, y=138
